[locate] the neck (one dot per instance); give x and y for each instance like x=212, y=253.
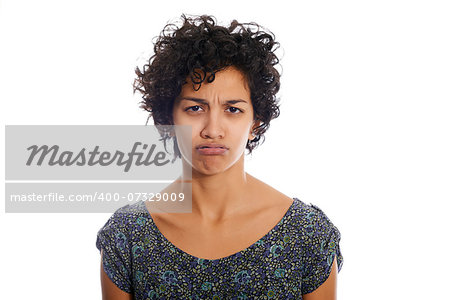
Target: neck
x=216, y=197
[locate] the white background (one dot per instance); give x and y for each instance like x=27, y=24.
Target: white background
x=364, y=131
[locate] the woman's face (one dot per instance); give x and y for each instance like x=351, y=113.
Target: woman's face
x=220, y=113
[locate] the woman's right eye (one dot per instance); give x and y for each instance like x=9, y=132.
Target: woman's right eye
x=195, y=108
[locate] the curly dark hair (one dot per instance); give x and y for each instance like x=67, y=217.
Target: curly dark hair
x=199, y=49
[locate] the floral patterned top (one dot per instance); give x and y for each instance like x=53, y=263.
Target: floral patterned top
x=292, y=259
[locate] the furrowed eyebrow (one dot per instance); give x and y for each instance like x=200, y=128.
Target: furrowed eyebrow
x=203, y=101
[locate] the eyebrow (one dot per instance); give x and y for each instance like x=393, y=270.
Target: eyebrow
x=203, y=101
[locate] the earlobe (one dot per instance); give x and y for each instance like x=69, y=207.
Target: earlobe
x=252, y=133
x=251, y=136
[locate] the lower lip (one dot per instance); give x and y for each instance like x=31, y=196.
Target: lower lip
x=211, y=151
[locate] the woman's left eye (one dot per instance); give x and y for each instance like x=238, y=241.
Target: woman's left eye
x=234, y=110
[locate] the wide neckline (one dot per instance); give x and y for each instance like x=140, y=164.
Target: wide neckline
x=239, y=253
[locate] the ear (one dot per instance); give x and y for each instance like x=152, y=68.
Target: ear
x=170, y=131
x=251, y=136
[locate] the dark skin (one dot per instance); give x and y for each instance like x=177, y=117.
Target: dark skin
x=218, y=212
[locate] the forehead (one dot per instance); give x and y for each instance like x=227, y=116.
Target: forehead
x=229, y=82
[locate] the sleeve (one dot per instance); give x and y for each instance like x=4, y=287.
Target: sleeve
x=321, y=247
x=112, y=238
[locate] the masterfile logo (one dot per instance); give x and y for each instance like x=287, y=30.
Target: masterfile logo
x=55, y=156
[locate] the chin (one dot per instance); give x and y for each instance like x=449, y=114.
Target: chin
x=207, y=169
x=210, y=166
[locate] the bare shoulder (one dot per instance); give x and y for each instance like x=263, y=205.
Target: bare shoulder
x=269, y=196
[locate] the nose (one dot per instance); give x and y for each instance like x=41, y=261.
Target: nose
x=213, y=127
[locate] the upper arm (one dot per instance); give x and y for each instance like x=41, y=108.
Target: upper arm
x=109, y=290
x=321, y=258
x=115, y=255
x=326, y=291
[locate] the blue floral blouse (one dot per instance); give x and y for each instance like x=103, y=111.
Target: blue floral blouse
x=292, y=259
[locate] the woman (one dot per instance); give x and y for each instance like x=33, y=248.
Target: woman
x=243, y=239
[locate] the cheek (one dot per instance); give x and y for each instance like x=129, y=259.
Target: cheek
x=240, y=132
x=175, y=117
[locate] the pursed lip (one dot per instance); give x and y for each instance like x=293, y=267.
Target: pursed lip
x=211, y=145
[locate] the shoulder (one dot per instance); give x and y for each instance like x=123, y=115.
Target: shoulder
x=267, y=195
x=310, y=220
x=124, y=222
x=317, y=239
x=128, y=214
x=115, y=240
x=316, y=234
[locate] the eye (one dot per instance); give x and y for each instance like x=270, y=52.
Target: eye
x=192, y=107
x=234, y=110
